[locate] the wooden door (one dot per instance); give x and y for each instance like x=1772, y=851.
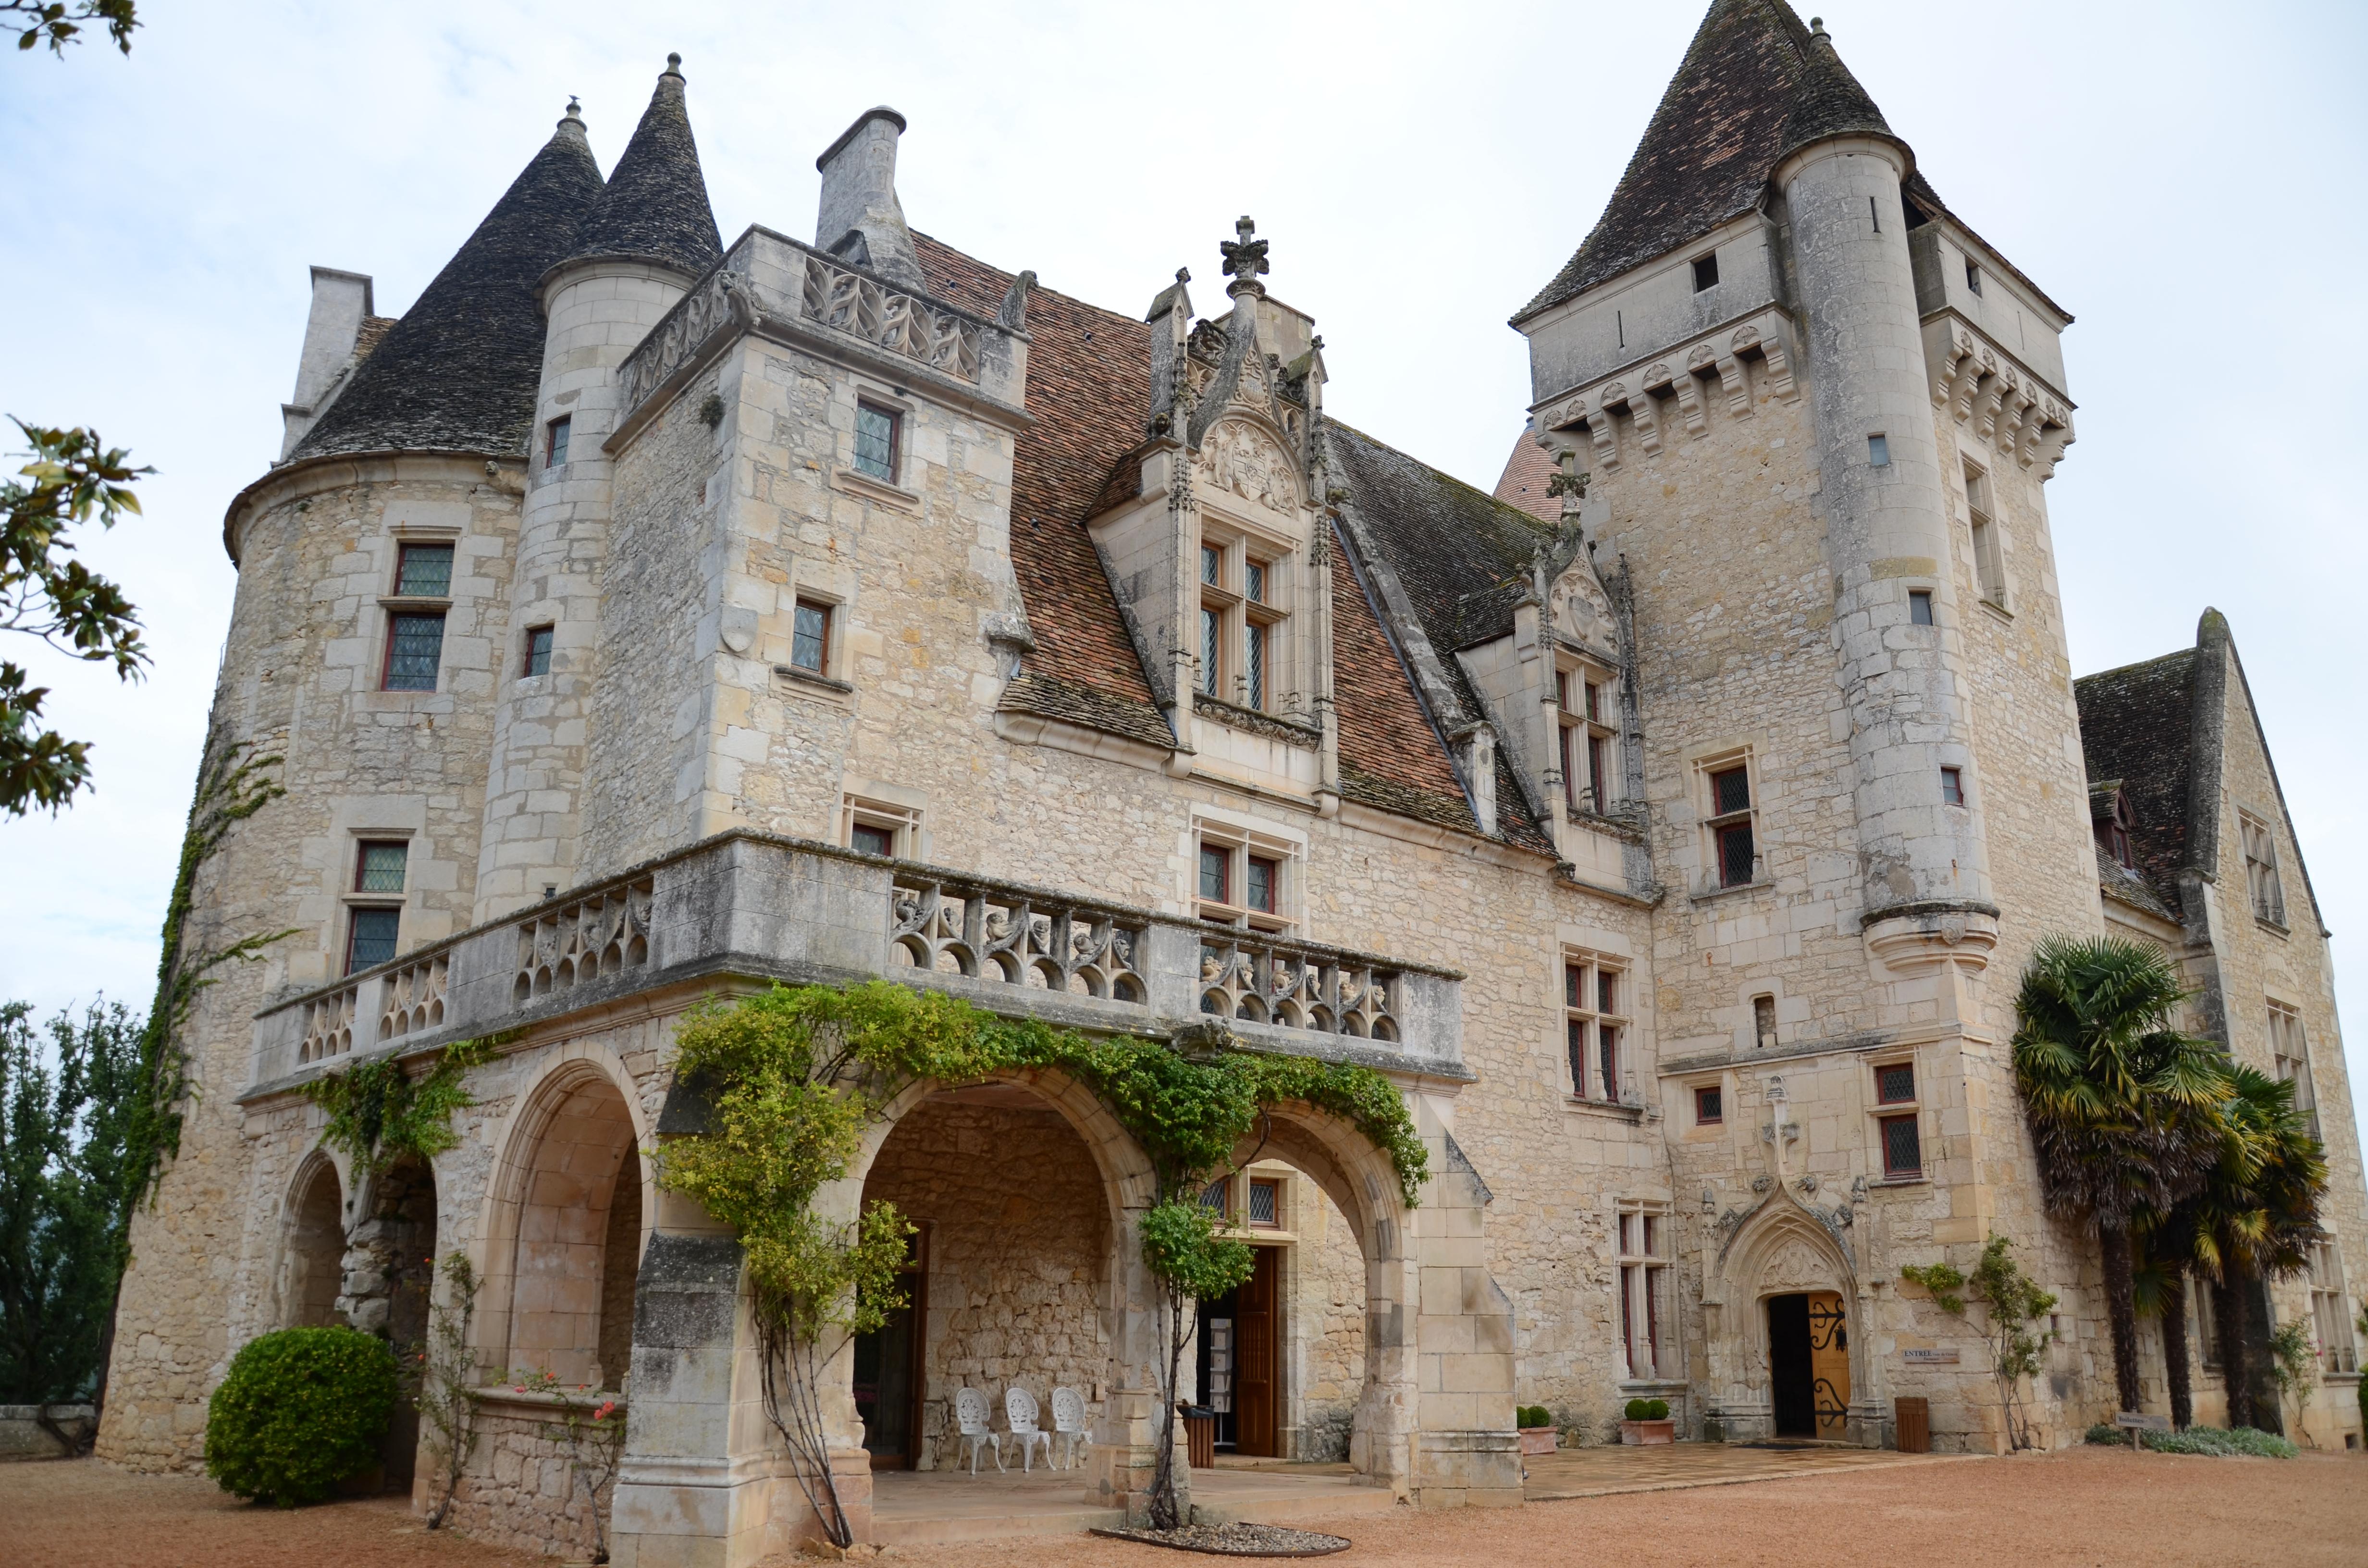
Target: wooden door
x=1829, y=1362
x=1257, y=1321
x=889, y=1369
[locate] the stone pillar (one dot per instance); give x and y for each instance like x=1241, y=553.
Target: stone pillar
x=1124, y=1453
x=1467, y=1451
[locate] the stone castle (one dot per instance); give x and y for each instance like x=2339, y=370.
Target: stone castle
x=638, y=618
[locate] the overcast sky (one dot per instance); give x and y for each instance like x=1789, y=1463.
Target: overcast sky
x=2184, y=178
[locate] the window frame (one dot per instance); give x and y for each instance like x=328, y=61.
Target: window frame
x=901, y=823
x=1715, y=1096
x=2264, y=886
x=400, y=608
x=2290, y=1055
x=548, y=635
x=558, y=437
x=895, y=418
x=2339, y=1353
x=828, y=612
x=1953, y=785
x=1919, y=607
x=1705, y=281
x=1588, y=744
x=1250, y=1190
x=1235, y=848
x=1643, y=1259
x=1982, y=530
x=1231, y=618
x=1584, y=1021
x=359, y=901
x=1717, y=825
x=1885, y=1112
x=1878, y=449
x=1764, y=1039
x=1973, y=277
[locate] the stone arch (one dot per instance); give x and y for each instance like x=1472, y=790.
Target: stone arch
x=1782, y=1247
x=312, y=1247
x=559, y=1264
x=1363, y=1185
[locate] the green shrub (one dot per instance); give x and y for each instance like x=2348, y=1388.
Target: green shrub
x=302, y=1410
x=1636, y=1408
x=1533, y=1415
x=1657, y=1410
x=2213, y=1442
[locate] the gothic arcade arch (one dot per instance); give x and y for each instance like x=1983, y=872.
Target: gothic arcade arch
x=1784, y=1247
x=559, y=1264
x=313, y=1246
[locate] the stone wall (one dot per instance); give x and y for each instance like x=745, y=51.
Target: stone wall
x=1018, y=1243
x=518, y=1491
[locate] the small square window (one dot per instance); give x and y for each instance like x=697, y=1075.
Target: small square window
x=871, y=839
x=1878, y=451
x=1920, y=606
x=378, y=867
x=538, y=650
x=555, y=440
x=370, y=937
x=1705, y=272
x=1763, y=1020
x=877, y=432
x=414, y=651
x=423, y=571
x=1730, y=791
x=1972, y=278
x=1266, y=1204
x=1216, y=872
x=1265, y=878
x=1896, y=1083
x=1709, y=1110
x=1903, y=1148
x=810, y=638
x=1953, y=785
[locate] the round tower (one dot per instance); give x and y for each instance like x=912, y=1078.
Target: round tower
x=1887, y=540
x=650, y=237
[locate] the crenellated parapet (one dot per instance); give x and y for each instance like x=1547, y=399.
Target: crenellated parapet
x=1997, y=403
x=1642, y=408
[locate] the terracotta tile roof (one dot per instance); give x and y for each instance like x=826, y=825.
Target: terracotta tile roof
x=2138, y=726
x=1090, y=389
x=1523, y=483
x=458, y=372
x=654, y=207
x=1754, y=85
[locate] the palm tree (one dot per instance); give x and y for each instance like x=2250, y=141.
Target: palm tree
x=2254, y=1216
x=2167, y=1257
x=2123, y=1107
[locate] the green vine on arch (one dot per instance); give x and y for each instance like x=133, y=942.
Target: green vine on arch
x=379, y=1112
x=793, y=1077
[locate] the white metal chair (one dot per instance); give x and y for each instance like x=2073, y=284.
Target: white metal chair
x=1069, y=1423
x=970, y=1410
x=1020, y=1415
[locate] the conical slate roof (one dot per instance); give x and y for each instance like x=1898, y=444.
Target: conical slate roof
x=1755, y=84
x=458, y=372
x=654, y=208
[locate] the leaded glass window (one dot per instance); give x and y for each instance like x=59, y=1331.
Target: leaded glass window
x=415, y=650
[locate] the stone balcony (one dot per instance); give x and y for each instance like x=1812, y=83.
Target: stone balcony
x=752, y=906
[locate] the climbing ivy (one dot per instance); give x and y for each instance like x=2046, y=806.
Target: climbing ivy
x=233, y=783
x=792, y=1077
x=378, y=1112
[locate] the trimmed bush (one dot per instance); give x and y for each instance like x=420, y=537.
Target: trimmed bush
x=1532, y=1415
x=302, y=1410
x=1657, y=1410
x=2213, y=1442
x=1639, y=1410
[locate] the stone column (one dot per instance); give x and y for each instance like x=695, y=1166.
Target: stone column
x=1465, y=1449
x=1124, y=1453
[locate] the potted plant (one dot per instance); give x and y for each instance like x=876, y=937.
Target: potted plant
x=1648, y=1421
x=1537, y=1428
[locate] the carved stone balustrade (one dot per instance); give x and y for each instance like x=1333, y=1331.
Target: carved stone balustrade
x=771, y=285
x=750, y=907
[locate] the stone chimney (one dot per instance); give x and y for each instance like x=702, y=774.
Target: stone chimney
x=859, y=219
x=340, y=302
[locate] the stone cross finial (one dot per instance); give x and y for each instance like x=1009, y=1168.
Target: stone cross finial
x=1244, y=258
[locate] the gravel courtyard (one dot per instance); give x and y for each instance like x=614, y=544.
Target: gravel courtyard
x=2087, y=1507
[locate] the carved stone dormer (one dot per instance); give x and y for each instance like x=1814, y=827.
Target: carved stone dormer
x=1216, y=555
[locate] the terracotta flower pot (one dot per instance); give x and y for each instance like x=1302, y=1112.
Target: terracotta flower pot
x=1643, y=1433
x=1538, y=1439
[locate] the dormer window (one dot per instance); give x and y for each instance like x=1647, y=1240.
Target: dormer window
x=1705, y=272
x=879, y=435
x=1241, y=624
x=1590, y=774
x=2115, y=825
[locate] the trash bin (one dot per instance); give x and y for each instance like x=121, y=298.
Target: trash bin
x=1200, y=1438
x=1913, y=1419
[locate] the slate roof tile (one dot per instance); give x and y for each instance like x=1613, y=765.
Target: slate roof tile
x=2136, y=725
x=458, y=372
x=654, y=207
